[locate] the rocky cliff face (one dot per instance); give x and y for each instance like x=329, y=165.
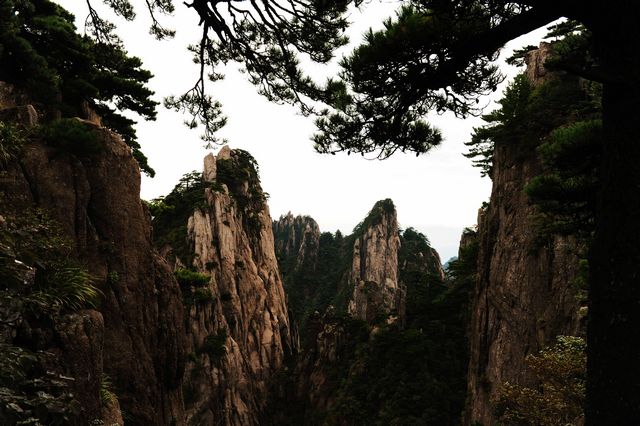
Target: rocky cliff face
x=239, y=331
x=525, y=294
x=131, y=336
x=374, y=269
x=415, y=257
x=329, y=341
x=297, y=240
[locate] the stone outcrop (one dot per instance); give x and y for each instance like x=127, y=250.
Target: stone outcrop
x=525, y=294
x=245, y=318
x=131, y=336
x=374, y=269
x=536, y=72
x=297, y=240
x=414, y=258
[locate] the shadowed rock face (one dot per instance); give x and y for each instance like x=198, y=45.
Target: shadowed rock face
x=374, y=269
x=233, y=243
x=297, y=240
x=132, y=336
x=525, y=295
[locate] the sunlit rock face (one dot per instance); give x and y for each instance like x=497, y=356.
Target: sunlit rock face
x=239, y=334
x=525, y=295
x=374, y=268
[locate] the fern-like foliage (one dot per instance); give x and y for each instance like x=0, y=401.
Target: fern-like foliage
x=65, y=288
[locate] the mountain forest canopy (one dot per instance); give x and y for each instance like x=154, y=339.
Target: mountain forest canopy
x=434, y=56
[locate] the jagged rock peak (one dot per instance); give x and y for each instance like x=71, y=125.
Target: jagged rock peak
x=238, y=322
x=417, y=255
x=209, y=170
x=374, y=269
x=297, y=239
x=468, y=237
x=535, y=59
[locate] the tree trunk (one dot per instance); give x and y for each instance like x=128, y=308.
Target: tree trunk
x=613, y=373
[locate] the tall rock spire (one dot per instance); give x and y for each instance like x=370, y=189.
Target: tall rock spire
x=237, y=323
x=374, y=269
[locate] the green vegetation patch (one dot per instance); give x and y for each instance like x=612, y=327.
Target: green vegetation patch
x=194, y=286
x=12, y=139
x=107, y=396
x=30, y=392
x=171, y=213
x=558, y=398
x=416, y=375
x=72, y=136
x=38, y=270
x=41, y=281
x=214, y=346
x=188, y=278
x=240, y=174
x=379, y=210
x=44, y=56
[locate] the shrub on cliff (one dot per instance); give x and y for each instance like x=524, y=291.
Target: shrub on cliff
x=171, y=213
x=40, y=283
x=11, y=141
x=30, y=393
x=559, y=397
x=188, y=278
x=71, y=135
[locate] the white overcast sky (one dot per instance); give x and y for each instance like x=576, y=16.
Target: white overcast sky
x=438, y=193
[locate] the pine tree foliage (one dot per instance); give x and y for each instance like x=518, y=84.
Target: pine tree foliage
x=171, y=213
x=503, y=124
x=560, y=119
x=415, y=375
x=565, y=194
x=42, y=53
x=451, y=69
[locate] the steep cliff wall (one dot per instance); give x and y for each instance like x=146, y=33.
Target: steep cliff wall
x=417, y=258
x=93, y=197
x=297, y=245
x=374, y=269
x=238, y=326
x=297, y=240
x=525, y=295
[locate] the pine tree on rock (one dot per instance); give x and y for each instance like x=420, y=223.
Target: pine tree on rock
x=42, y=54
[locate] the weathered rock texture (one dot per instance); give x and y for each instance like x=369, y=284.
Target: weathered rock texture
x=247, y=314
x=133, y=336
x=297, y=239
x=330, y=343
x=297, y=245
x=374, y=269
x=536, y=72
x=525, y=294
